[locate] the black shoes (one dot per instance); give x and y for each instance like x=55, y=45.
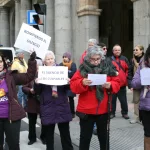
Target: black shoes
x=43, y=141
x=125, y=116
x=95, y=131
x=31, y=142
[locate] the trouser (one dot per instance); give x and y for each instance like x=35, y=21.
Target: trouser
x=86, y=130
x=122, y=96
x=71, y=102
x=64, y=135
x=145, y=118
x=22, y=98
x=136, y=111
x=32, y=127
x=12, y=132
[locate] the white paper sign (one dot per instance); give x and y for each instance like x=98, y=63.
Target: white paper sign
x=145, y=76
x=97, y=79
x=29, y=38
x=53, y=75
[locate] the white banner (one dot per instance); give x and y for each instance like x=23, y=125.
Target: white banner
x=53, y=75
x=29, y=38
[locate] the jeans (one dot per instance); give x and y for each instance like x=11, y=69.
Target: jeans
x=122, y=96
x=12, y=132
x=86, y=130
x=64, y=135
x=22, y=98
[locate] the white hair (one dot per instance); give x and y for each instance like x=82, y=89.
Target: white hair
x=49, y=53
x=94, y=41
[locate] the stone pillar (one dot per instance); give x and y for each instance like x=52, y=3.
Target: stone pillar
x=88, y=22
x=25, y=5
x=4, y=33
x=50, y=22
x=63, y=35
x=17, y=17
x=141, y=22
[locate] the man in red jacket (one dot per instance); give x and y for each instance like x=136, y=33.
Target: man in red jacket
x=122, y=65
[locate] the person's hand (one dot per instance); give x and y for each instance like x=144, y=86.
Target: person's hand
x=36, y=80
x=131, y=89
x=32, y=91
x=107, y=85
x=32, y=55
x=85, y=82
x=68, y=80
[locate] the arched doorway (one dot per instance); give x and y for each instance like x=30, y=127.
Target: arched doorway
x=116, y=25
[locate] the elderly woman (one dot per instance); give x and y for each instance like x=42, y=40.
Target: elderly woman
x=11, y=112
x=144, y=106
x=93, y=100
x=91, y=43
x=54, y=109
x=138, y=56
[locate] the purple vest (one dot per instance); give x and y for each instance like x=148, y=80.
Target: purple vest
x=3, y=100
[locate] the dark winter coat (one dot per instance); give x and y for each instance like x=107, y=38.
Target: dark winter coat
x=71, y=72
x=33, y=103
x=13, y=78
x=53, y=110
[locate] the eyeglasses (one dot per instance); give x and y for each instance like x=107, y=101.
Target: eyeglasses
x=104, y=48
x=95, y=60
x=135, y=50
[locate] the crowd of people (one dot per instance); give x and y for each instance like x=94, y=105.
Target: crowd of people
x=21, y=94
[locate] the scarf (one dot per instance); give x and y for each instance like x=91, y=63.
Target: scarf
x=67, y=64
x=103, y=68
x=2, y=75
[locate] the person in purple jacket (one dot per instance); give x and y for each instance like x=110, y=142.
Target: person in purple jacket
x=54, y=109
x=144, y=106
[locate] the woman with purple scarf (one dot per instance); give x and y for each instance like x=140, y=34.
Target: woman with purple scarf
x=144, y=106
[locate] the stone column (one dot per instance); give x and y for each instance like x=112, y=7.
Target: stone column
x=62, y=28
x=25, y=5
x=4, y=33
x=88, y=22
x=141, y=22
x=17, y=17
x=50, y=22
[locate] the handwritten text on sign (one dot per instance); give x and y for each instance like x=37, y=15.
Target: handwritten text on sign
x=53, y=75
x=29, y=38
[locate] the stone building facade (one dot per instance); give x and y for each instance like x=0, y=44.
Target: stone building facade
x=71, y=23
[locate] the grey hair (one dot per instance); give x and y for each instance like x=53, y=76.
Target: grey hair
x=49, y=53
x=94, y=50
x=94, y=41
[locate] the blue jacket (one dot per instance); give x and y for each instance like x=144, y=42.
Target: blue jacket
x=53, y=110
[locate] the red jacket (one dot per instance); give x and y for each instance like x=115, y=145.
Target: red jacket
x=123, y=72
x=82, y=57
x=88, y=102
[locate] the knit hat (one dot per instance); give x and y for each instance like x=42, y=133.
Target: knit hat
x=68, y=55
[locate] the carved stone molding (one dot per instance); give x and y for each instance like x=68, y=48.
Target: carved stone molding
x=88, y=7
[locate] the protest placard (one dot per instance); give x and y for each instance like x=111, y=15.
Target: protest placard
x=53, y=75
x=30, y=38
x=145, y=76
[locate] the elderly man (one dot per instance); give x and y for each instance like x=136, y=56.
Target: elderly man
x=20, y=65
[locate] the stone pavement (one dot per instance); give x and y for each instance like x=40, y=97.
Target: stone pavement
x=123, y=135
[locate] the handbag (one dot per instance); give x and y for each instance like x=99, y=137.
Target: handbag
x=82, y=115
